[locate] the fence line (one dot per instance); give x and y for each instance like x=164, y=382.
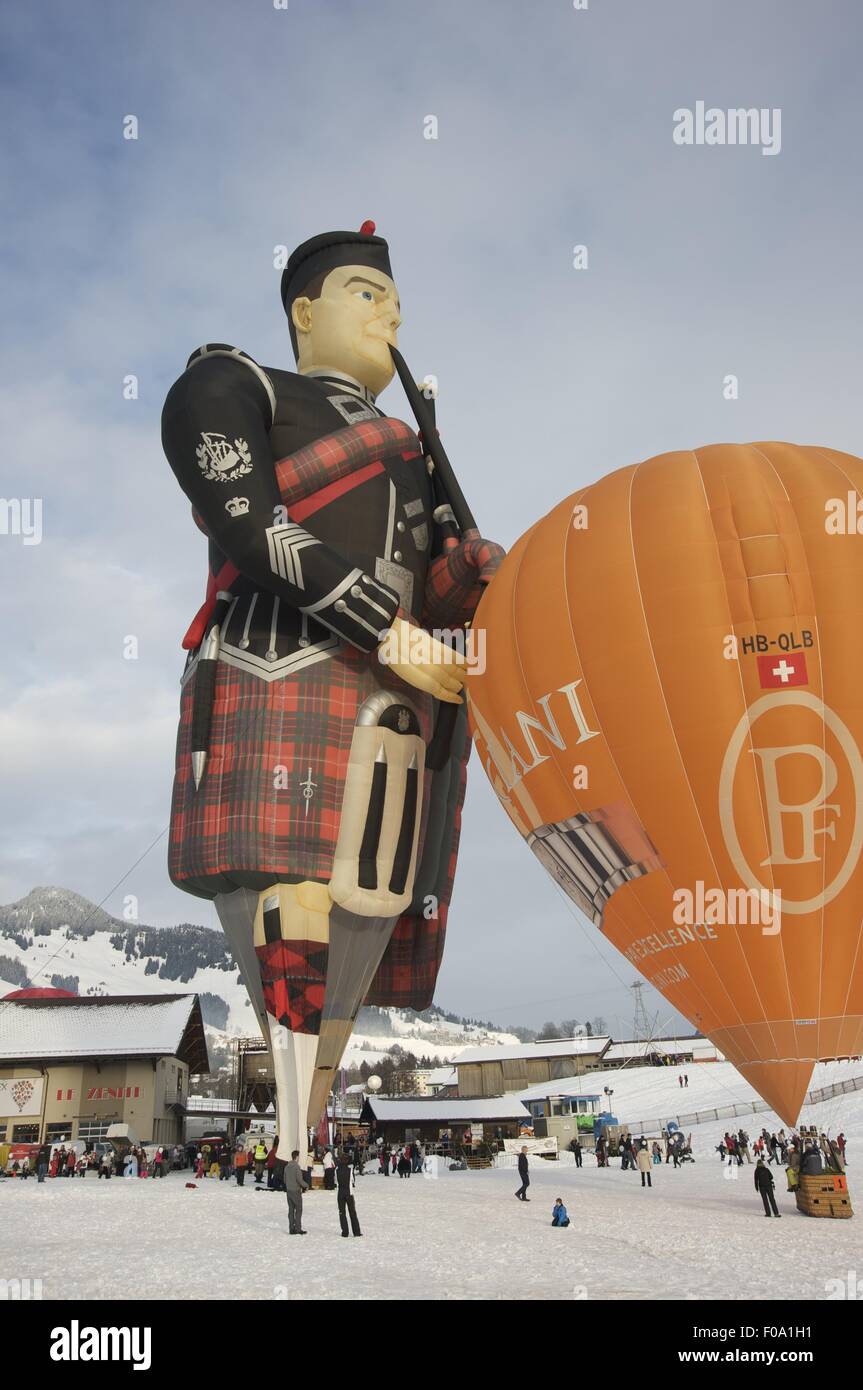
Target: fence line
x=749, y=1107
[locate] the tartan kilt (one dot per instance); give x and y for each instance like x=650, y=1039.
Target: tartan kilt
x=249, y=824
x=407, y=974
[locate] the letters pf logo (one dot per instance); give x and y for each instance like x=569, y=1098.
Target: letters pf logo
x=796, y=761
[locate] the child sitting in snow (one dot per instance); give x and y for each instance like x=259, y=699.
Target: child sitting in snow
x=558, y=1214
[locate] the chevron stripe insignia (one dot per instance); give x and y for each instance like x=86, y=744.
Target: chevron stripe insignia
x=284, y=544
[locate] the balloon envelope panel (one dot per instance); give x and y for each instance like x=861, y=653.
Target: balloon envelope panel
x=671, y=713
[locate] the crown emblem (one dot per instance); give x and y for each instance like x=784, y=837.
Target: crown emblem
x=237, y=506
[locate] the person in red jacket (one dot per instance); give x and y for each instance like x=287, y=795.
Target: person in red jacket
x=70, y=1163
x=273, y=1174
x=240, y=1162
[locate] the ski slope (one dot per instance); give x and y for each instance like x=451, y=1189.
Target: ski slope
x=649, y=1093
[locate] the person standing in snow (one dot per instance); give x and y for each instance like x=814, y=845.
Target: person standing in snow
x=575, y=1147
x=295, y=1186
x=743, y=1143
x=329, y=1170
x=240, y=1165
x=273, y=1178
x=346, y=1181
x=559, y=1215
x=523, y=1173
x=764, y=1185
x=644, y=1165
x=260, y=1160
x=43, y=1162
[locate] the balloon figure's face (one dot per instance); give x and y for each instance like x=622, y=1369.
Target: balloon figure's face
x=349, y=328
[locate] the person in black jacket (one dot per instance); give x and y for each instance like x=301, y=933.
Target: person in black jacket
x=523, y=1174
x=346, y=1200
x=764, y=1185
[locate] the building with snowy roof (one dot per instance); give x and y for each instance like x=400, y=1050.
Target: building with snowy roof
x=397, y=1120
x=660, y=1052
x=495, y=1071
x=72, y=1065
x=442, y=1079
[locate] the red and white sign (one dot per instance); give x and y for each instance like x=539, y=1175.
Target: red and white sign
x=779, y=672
x=21, y=1096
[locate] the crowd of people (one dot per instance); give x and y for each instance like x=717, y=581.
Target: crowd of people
x=52, y=1160
x=806, y=1152
x=675, y=1149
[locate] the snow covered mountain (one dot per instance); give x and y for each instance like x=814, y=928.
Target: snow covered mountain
x=55, y=937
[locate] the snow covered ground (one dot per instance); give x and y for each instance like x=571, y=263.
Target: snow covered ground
x=695, y=1235
x=646, y=1093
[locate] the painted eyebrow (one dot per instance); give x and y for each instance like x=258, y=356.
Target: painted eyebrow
x=358, y=280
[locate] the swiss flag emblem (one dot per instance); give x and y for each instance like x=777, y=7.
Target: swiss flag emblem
x=789, y=668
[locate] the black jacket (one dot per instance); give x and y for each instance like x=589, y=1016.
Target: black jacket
x=302, y=592
x=522, y=1165
x=763, y=1178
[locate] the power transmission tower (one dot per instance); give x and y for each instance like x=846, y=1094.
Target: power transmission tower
x=642, y=1028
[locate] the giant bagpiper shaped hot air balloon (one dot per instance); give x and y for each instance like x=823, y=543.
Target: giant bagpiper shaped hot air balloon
x=672, y=716
x=318, y=792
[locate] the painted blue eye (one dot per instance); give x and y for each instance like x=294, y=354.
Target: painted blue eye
x=366, y=294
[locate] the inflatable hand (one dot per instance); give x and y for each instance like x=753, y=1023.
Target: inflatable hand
x=482, y=555
x=423, y=661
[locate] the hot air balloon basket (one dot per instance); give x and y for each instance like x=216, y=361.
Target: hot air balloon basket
x=824, y=1194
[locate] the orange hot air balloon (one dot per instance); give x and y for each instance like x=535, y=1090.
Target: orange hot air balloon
x=672, y=715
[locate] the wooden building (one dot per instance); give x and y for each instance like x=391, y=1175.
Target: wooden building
x=495, y=1071
x=399, y=1121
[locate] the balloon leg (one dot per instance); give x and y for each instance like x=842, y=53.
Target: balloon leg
x=356, y=947
x=291, y=936
x=293, y=1067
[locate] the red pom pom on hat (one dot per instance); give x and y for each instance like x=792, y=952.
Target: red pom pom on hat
x=367, y=229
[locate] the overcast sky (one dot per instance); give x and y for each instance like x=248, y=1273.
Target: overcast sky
x=258, y=127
